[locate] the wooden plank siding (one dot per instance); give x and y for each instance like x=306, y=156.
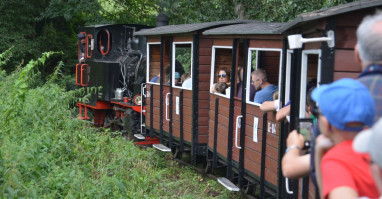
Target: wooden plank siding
x=205, y=51
x=253, y=150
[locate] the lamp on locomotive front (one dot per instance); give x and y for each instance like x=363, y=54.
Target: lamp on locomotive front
x=296, y=41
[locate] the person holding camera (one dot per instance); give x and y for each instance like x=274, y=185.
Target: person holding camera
x=345, y=108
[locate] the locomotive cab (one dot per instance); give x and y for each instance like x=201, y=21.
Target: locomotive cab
x=113, y=67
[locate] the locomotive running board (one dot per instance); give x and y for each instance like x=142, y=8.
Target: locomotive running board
x=162, y=147
x=139, y=136
x=228, y=184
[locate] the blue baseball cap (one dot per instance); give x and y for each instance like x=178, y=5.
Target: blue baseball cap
x=177, y=75
x=344, y=101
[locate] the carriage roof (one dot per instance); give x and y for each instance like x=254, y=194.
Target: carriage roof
x=187, y=28
x=257, y=27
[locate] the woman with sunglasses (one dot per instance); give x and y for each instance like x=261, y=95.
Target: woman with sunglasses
x=223, y=76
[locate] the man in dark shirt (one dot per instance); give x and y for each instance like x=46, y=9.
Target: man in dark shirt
x=368, y=52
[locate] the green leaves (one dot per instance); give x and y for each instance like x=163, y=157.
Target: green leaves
x=45, y=152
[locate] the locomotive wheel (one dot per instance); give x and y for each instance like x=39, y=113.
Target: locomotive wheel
x=131, y=122
x=111, y=123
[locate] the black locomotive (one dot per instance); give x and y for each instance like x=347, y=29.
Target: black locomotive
x=112, y=62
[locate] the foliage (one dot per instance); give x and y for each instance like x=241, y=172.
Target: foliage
x=282, y=10
x=51, y=25
x=196, y=11
x=45, y=152
x=183, y=55
x=5, y=57
x=127, y=11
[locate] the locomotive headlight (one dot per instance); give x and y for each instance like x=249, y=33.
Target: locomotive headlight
x=137, y=100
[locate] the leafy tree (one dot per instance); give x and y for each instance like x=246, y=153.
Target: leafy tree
x=36, y=26
x=128, y=11
x=194, y=11
x=282, y=10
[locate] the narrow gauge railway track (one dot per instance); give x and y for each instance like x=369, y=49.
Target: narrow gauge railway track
x=197, y=168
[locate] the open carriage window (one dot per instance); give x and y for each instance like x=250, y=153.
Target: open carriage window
x=182, y=65
x=153, y=63
x=221, y=62
x=310, y=76
x=263, y=73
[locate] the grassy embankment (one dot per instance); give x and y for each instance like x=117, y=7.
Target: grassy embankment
x=45, y=152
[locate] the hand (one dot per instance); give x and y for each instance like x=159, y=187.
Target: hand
x=323, y=144
x=295, y=138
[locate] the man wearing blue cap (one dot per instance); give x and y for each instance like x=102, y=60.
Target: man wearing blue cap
x=345, y=108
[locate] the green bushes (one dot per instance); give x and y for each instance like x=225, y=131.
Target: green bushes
x=45, y=152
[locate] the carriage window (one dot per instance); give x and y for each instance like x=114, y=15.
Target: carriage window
x=310, y=76
x=104, y=42
x=221, y=62
x=153, y=63
x=182, y=60
x=263, y=73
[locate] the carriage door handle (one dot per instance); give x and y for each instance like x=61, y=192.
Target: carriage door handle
x=167, y=103
x=143, y=94
x=287, y=186
x=237, y=127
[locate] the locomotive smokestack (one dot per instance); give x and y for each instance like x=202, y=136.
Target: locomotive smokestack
x=162, y=20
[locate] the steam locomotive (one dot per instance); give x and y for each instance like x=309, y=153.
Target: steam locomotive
x=219, y=131
x=113, y=61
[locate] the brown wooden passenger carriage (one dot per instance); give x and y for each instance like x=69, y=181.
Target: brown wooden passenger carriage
x=182, y=122
x=318, y=60
x=260, y=162
x=207, y=123
x=251, y=153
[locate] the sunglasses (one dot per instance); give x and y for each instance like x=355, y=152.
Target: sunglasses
x=222, y=75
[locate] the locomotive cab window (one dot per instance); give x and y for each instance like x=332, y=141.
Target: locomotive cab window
x=221, y=62
x=264, y=66
x=153, y=63
x=310, y=77
x=90, y=45
x=104, y=42
x=182, y=65
x=82, y=42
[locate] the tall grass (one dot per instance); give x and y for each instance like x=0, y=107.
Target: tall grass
x=45, y=152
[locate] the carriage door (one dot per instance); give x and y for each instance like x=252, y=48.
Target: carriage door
x=181, y=95
x=262, y=129
x=153, y=88
x=221, y=59
x=310, y=78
